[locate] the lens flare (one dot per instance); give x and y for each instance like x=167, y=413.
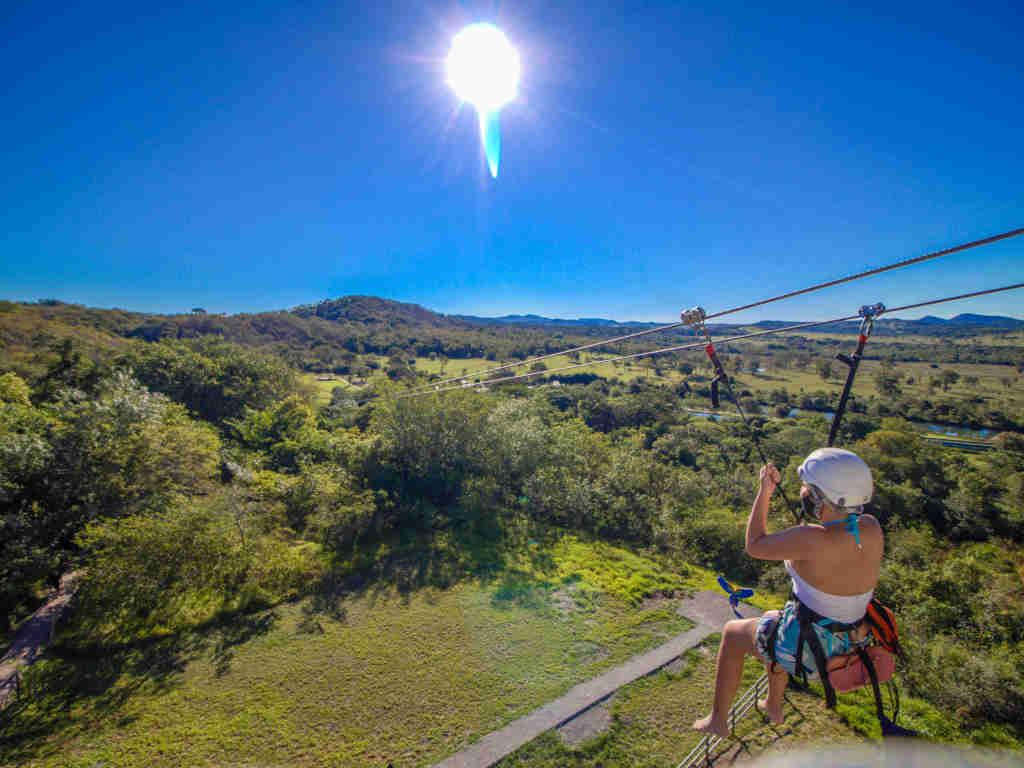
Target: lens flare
x=483, y=69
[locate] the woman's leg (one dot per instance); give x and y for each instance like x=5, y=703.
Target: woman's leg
x=772, y=706
x=737, y=641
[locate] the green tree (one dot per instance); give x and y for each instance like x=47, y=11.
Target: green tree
x=71, y=369
x=886, y=383
x=214, y=379
x=286, y=433
x=80, y=459
x=425, y=452
x=14, y=390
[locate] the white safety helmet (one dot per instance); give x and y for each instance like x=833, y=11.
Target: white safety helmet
x=842, y=476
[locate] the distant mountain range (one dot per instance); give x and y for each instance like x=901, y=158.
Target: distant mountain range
x=924, y=324
x=967, y=319
x=538, y=320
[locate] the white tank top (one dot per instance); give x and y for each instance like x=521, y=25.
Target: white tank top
x=843, y=608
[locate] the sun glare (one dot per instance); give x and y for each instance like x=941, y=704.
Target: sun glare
x=483, y=67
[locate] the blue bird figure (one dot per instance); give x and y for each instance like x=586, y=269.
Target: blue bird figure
x=735, y=595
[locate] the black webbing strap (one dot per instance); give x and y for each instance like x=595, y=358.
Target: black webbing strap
x=806, y=619
x=865, y=659
x=868, y=315
x=889, y=728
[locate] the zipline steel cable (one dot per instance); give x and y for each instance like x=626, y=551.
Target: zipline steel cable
x=791, y=294
x=878, y=271
x=438, y=387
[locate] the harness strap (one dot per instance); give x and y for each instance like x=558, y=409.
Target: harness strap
x=805, y=617
x=771, y=643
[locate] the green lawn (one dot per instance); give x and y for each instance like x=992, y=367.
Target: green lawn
x=384, y=676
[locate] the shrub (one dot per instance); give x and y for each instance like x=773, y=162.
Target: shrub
x=13, y=390
x=286, y=433
x=141, y=570
x=428, y=448
x=180, y=566
x=716, y=539
x=214, y=379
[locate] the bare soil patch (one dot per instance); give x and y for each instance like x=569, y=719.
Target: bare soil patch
x=587, y=724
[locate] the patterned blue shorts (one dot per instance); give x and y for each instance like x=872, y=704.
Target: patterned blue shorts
x=833, y=644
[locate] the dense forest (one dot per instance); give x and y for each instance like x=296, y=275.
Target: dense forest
x=182, y=466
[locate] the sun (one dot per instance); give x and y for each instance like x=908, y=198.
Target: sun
x=483, y=67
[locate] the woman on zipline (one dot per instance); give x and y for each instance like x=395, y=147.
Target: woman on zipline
x=834, y=567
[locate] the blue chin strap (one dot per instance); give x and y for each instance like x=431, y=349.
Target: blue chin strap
x=735, y=595
x=852, y=524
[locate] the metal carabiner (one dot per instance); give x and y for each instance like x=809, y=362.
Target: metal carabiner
x=868, y=313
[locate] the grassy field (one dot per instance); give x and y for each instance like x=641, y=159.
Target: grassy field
x=324, y=389
x=383, y=676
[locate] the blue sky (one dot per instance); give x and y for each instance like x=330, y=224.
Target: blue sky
x=246, y=158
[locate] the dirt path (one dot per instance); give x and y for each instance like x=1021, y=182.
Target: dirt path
x=33, y=637
x=709, y=609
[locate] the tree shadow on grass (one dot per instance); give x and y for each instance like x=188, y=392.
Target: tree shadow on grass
x=420, y=562
x=76, y=689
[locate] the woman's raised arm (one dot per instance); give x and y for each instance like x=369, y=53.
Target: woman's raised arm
x=796, y=543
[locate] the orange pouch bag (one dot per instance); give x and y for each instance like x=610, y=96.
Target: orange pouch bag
x=848, y=673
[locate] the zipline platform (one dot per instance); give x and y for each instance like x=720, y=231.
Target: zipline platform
x=709, y=609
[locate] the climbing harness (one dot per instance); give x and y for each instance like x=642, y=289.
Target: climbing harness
x=696, y=319
x=867, y=313
x=872, y=661
x=735, y=595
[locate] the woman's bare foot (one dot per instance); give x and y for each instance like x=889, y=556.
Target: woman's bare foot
x=708, y=725
x=774, y=714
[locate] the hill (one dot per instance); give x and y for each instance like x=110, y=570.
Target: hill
x=330, y=335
